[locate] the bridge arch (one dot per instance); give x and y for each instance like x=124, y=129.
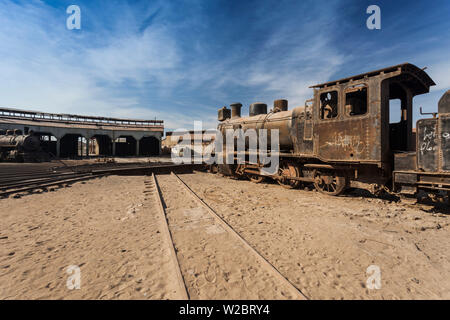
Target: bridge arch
x=101, y=145
x=125, y=146
x=73, y=145
x=149, y=146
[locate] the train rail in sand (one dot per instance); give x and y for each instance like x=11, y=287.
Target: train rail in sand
x=23, y=179
x=199, y=238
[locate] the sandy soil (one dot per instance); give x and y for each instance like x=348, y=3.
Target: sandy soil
x=214, y=264
x=325, y=244
x=106, y=227
x=109, y=228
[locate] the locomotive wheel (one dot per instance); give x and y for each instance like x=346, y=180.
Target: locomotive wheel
x=329, y=183
x=255, y=178
x=289, y=170
x=213, y=169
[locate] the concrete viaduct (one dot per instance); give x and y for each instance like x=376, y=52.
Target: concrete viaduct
x=67, y=135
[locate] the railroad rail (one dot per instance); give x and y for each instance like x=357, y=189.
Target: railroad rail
x=17, y=179
x=184, y=294
x=174, y=225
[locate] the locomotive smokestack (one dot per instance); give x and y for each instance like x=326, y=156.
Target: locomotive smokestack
x=236, y=110
x=223, y=114
x=257, y=108
x=280, y=104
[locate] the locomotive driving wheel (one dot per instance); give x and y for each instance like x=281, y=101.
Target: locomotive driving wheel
x=213, y=168
x=329, y=182
x=288, y=170
x=255, y=178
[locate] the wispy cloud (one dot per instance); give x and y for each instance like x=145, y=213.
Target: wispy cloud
x=181, y=61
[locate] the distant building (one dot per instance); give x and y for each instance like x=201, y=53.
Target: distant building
x=67, y=135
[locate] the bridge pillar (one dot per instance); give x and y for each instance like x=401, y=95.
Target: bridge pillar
x=137, y=148
x=87, y=147
x=114, y=147
x=58, y=147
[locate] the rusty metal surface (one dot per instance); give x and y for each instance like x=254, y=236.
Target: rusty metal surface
x=427, y=141
x=346, y=125
x=443, y=134
x=236, y=110
x=423, y=180
x=405, y=161
x=422, y=78
x=280, y=104
x=278, y=120
x=27, y=142
x=223, y=114
x=257, y=108
x=346, y=140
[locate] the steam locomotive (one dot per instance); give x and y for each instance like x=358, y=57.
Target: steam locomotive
x=15, y=146
x=345, y=136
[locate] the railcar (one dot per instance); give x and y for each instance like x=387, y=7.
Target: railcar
x=346, y=136
x=15, y=146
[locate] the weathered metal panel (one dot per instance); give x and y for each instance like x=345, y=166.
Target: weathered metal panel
x=302, y=131
x=345, y=140
x=405, y=161
x=427, y=145
x=444, y=142
x=435, y=179
x=410, y=178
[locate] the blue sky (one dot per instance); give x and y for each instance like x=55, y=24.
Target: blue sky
x=180, y=61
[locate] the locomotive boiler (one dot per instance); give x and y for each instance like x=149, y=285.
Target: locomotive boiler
x=15, y=146
x=347, y=136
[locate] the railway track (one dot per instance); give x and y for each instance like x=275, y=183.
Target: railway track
x=42, y=184
x=212, y=260
x=16, y=179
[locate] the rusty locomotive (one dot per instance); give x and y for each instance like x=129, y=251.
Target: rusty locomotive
x=15, y=146
x=343, y=137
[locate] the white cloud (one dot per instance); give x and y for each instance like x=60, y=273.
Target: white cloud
x=439, y=72
x=137, y=58
x=110, y=73
x=126, y=70
x=48, y=68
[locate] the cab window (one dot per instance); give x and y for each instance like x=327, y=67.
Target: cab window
x=329, y=105
x=356, y=100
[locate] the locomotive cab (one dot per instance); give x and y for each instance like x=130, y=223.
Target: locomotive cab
x=354, y=127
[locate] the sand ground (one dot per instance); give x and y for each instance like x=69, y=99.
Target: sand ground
x=214, y=264
x=325, y=244
x=108, y=228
